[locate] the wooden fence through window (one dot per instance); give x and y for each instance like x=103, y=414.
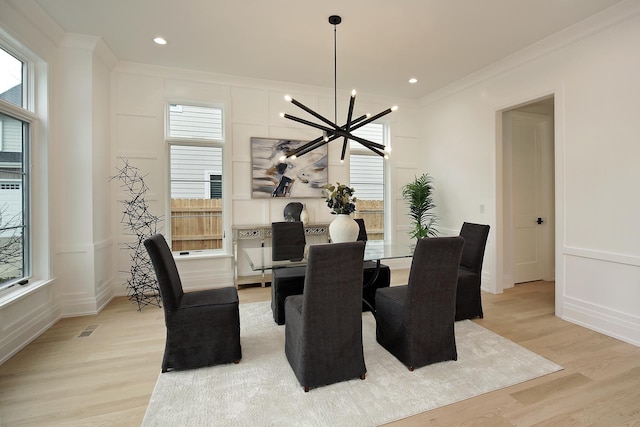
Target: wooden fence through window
x=372, y=211
x=196, y=224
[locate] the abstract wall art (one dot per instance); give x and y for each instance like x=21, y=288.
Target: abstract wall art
x=295, y=178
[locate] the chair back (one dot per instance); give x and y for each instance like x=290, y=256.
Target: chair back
x=166, y=272
x=287, y=240
x=332, y=298
x=475, y=240
x=362, y=233
x=433, y=278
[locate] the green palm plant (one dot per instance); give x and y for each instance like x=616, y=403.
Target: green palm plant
x=418, y=194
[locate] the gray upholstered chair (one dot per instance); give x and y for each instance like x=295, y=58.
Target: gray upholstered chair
x=415, y=322
x=468, y=297
x=287, y=242
x=371, y=284
x=203, y=327
x=323, y=332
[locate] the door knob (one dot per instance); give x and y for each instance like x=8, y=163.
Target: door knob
x=539, y=221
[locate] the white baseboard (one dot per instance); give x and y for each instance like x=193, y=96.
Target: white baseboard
x=614, y=324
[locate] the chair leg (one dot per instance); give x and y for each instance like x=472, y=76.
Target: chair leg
x=236, y=361
x=306, y=389
x=363, y=376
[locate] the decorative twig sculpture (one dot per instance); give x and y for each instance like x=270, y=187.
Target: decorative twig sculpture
x=142, y=286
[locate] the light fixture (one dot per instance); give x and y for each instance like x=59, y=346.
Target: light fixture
x=330, y=130
x=160, y=40
x=413, y=80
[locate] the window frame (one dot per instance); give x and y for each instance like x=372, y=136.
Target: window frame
x=25, y=114
x=170, y=141
x=356, y=148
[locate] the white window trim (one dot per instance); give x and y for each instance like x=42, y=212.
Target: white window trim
x=226, y=250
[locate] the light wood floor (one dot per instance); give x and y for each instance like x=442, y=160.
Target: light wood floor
x=107, y=377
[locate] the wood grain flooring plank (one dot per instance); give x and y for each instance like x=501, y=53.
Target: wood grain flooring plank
x=107, y=378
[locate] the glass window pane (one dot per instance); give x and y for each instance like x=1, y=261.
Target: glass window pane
x=366, y=176
x=11, y=76
x=196, y=197
x=13, y=133
x=374, y=132
x=189, y=121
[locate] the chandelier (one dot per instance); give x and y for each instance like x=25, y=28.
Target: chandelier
x=330, y=130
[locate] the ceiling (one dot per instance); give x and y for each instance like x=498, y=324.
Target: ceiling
x=380, y=43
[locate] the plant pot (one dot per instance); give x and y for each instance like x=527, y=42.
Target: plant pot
x=343, y=229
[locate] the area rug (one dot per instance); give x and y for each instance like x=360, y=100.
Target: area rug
x=262, y=390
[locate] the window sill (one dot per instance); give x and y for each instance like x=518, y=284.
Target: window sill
x=18, y=292
x=189, y=255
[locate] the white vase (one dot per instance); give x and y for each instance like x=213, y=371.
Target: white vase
x=343, y=229
x=304, y=215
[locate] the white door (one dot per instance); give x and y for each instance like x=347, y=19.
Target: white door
x=531, y=196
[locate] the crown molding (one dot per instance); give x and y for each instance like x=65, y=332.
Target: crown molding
x=595, y=24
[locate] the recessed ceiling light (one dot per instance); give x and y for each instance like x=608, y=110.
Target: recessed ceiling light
x=160, y=40
x=413, y=80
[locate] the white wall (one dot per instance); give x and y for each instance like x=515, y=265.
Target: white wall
x=31, y=310
x=596, y=88
x=141, y=94
x=596, y=84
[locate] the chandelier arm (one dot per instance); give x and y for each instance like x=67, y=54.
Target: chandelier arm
x=347, y=126
x=358, y=120
x=379, y=153
x=358, y=139
x=305, y=148
x=344, y=148
x=372, y=118
x=311, y=124
x=313, y=113
x=318, y=145
x=369, y=146
x=352, y=102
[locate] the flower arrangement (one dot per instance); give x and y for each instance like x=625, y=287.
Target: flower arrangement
x=339, y=198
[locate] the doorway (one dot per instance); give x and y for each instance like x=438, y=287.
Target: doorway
x=528, y=193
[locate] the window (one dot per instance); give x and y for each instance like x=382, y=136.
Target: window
x=14, y=174
x=12, y=77
x=367, y=179
x=195, y=136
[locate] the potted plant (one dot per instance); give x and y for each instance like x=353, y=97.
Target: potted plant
x=341, y=201
x=418, y=195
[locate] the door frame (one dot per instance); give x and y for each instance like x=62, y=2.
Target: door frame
x=544, y=123
x=502, y=247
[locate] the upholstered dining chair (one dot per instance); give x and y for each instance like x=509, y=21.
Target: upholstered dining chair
x=370, y=285
x=287, y=242
x=323, y=331
x=415, y=322
x=203, y=327
x=468, y=297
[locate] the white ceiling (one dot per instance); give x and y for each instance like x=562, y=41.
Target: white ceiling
x=380, y=43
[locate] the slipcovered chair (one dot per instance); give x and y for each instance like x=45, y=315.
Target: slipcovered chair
x=287, y=242
x=369, y=284
x=203, y=327
x=323, y=333
x=415, y=322
x=468, y=297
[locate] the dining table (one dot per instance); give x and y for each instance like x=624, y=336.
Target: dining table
x=262, y=259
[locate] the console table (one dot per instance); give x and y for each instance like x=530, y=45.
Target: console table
x=262, y=235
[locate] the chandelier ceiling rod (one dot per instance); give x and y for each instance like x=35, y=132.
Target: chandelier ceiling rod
x=335, y=20
x=333, y=131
